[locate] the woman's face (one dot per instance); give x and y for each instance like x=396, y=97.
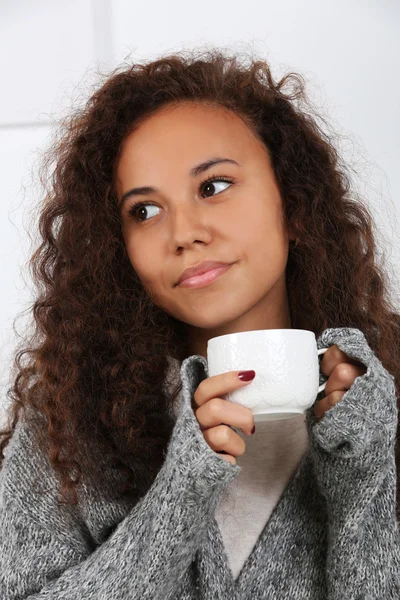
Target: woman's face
x=187, y=221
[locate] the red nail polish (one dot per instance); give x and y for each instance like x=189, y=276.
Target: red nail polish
x=246, y=375
x=254, y=429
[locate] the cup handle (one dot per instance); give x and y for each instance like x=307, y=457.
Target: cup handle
x=322, y=386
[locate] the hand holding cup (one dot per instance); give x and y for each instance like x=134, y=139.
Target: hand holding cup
x=215, y=415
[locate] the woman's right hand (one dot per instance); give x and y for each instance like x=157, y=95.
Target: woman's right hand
x=215, y=414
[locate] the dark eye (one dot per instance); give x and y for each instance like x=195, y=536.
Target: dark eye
x=134, y=210
x=210, y=182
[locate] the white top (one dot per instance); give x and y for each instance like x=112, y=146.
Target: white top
x=271, y=458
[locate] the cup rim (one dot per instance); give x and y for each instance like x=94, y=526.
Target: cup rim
x=277, y=331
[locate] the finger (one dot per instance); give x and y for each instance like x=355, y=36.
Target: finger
x=333, y=357
x=343, y=377
x=227, y=457
x=222, y=438
x=325, y=404
x=219, y=411
x=217, y=386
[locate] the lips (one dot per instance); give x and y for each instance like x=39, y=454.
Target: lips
x=199, y=269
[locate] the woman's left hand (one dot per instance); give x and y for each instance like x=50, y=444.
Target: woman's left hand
x=342, y=372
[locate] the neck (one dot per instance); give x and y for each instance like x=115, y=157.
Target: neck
x=199, y=337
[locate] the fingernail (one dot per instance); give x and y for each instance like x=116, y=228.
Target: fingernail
x=246, y=375
x=253, y=430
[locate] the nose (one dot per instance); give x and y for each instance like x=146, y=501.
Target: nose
x=188, y=224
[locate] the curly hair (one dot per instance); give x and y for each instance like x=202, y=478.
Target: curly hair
x=93, y=372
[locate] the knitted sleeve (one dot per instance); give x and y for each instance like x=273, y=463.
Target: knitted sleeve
x=353, y=452
x=147, y=556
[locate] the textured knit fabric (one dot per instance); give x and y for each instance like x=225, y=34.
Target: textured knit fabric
x=333, y=534
x=271, y=458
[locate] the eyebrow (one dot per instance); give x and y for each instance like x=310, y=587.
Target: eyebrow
x=196, y=170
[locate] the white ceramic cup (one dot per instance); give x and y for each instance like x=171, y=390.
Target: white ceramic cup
x=286, y=362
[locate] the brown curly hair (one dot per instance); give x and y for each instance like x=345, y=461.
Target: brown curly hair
x=97, y=359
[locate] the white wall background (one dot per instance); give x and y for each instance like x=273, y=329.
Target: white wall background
x=50, y=52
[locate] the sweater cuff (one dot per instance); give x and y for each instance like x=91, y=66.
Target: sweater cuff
x=363, y=424
x=188, y=451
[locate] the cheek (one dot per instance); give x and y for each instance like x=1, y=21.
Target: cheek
x=261, y=239
x=142, y=260
x=150, y=271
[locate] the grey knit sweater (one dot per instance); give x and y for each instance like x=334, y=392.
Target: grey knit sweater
x=333, y=534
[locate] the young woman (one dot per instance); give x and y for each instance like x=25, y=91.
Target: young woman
x=125, y=473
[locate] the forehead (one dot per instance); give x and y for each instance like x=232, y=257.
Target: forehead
x=176, y=118
x=184, y=135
